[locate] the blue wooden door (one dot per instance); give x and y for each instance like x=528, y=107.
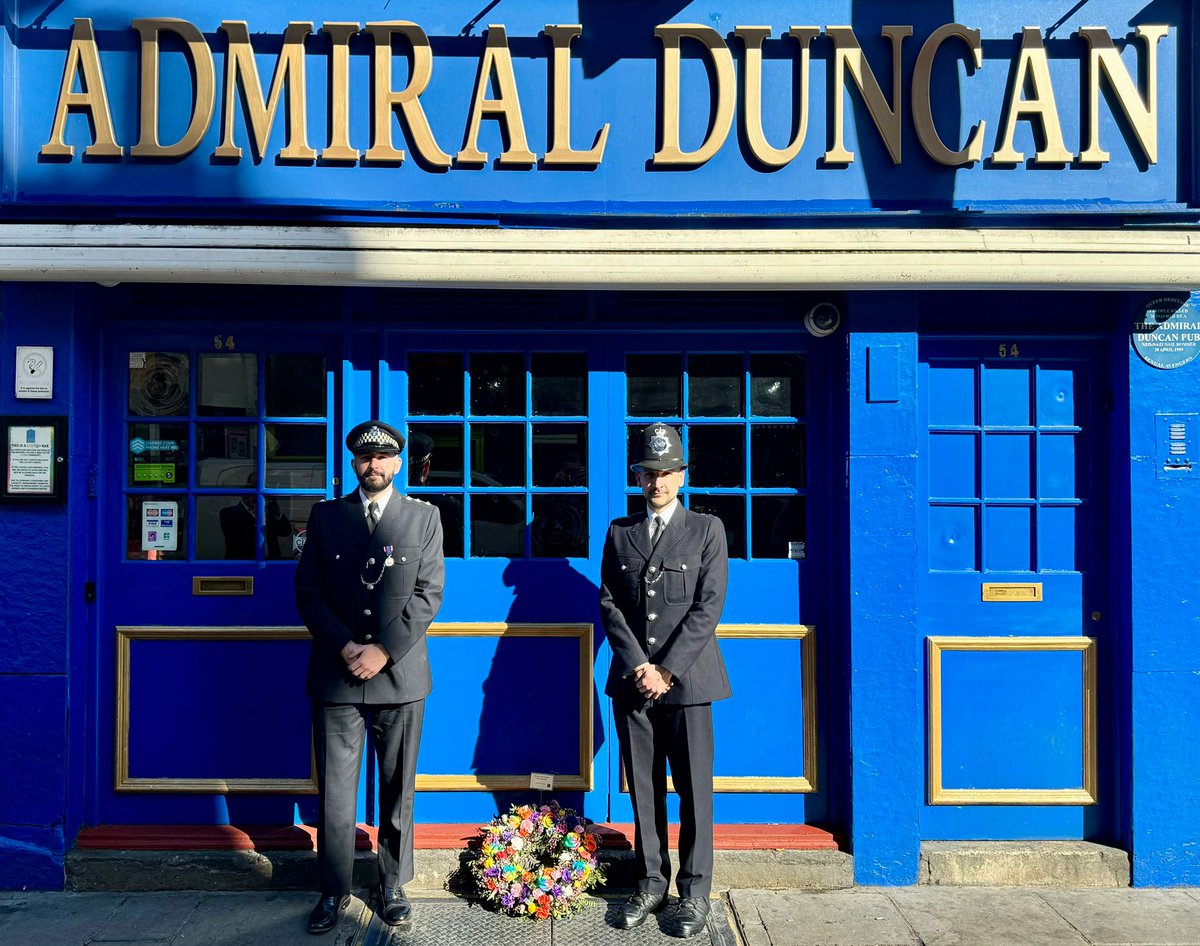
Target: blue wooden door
x=1014, y=602
x=215, y=447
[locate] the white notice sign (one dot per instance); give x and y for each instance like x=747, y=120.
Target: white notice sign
x=35, y=372
x=160, y=526
x=30, y=461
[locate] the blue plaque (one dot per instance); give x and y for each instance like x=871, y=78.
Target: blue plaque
x=1166, y=333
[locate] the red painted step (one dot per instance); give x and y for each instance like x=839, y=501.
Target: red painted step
x=196, y=837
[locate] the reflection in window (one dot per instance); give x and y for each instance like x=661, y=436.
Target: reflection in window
x=233, y=527
x=777, y=385
x=560, y=527
x=158, y=455
x=731, y=510
x=296, y=385
x=450, y=507
x=498, y=454
x=435, y=455
x=778, y=453
x=156, y=527
x=559, y=455
x=559, y=385
x=497, y=385
x=498, y=525
x=295, y=456
x=158, y=383
x=717, y=456
x=226, y=455
x=227, y=385
x=435, y=383
x=653, y=386
x=778, y=524
x=296, y=510
x=715, y=385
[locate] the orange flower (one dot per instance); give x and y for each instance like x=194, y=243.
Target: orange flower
x=589, y=842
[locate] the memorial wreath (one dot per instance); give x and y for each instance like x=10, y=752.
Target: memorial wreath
x=536, y=861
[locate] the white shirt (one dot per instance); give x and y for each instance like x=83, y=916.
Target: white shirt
x=382, y=499
x=665, y=515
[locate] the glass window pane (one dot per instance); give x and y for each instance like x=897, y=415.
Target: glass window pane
x=450, y=506
x=653, y=385
x=559, y=455
x=777, y=384
x=158, y=455
x=156, y=528
x=435, y=455
x=296, y=385
x=779, y=527
x=226, y=455
x=715, y=385
x=716, y=456
x=777, y=455
x=295, y=510
x=295, y=456
x=635, y=504
x=497, y=384
x=559, y=384
x=435, y=383
x=227, y=385
x=497, y=454
x=498, y=526
x=731, y=510
x=560, y=526
x=158, y=383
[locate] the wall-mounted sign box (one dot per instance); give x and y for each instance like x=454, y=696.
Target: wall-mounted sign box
x=35, y=460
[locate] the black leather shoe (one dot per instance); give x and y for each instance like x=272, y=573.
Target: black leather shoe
x=635, y=910
x=393, y=907
x=688, y=919
x=324, y=915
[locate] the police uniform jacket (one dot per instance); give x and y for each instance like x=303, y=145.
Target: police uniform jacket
x=341, y=558
x=662, y=605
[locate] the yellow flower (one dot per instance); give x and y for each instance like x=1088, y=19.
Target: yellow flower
x=532, y=907
x=488, y=862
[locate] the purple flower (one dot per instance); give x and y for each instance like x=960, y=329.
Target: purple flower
x=506, y=901
x=492, y=872
x=557, y=891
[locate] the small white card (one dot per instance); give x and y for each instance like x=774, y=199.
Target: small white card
x=160, y=526
x=542, y=781
x=35, y=372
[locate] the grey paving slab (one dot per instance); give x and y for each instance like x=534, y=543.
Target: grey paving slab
x=258, y=919
x=447, y=922
x=148, y=917
x=1130, y=917
x=58, y=919
x=836, y=918
x=983, y=916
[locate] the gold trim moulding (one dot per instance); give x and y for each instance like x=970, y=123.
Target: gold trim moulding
x=582, y=780
x=1017, y=591
x=123, y=782
x=774, y=784
x=1084, y=795
x=222, y=585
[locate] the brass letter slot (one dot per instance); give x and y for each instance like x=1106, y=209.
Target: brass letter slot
x=1012, y=591
x=222, y=585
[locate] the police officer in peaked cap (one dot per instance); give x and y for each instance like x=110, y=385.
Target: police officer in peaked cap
x=368, y=586
x=663, y=580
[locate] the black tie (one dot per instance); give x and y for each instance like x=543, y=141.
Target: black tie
x=656, y=530
x=372, y=515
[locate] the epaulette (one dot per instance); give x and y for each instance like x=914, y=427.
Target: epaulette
x=413, y=499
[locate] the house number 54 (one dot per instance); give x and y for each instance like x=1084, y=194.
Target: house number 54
x=1009, y=351
x=229, y=344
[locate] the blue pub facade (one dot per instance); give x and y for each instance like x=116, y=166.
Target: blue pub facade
x=914, y=280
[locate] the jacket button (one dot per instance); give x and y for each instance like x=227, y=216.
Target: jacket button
x=651, y=617
x=404, y=558
x=370, y=561
x=336, y=557
x=651, y=593
x=653, y=569
x=367, y=613
x=624, y=567
x=683, y=568
x=651, y=640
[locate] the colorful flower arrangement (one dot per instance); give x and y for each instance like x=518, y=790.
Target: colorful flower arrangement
x=536, y=861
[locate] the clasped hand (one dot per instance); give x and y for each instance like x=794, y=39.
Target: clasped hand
x=364, y=660
x=652, y=681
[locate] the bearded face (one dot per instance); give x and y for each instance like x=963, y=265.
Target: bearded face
x=375, y=471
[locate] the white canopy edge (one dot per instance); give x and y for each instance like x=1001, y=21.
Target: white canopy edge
x=477, y=257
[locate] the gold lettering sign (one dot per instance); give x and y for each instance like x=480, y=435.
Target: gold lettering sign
x=752, y=38
x=561, y=153
x=201, y=61
x=723, y=100
x=848, y=58
x=497, y=65
x=83, y=60
x=922, y=98
x=1033, y=68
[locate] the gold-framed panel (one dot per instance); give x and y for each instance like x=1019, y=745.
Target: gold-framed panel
x=939, y=795
x=774, y=784
x=123, y=782
x=582, y=780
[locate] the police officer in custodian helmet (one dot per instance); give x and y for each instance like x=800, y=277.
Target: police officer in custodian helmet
x=368, y=585
x=663, y=580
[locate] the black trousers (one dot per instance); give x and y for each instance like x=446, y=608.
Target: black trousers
x=650, y=737
x=339, y=731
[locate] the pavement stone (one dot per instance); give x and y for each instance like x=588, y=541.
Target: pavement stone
x=64, y=919
x=837, y=918
x=148, y=918
x=258, y=919
x=981, y=916
x=1130, y=917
